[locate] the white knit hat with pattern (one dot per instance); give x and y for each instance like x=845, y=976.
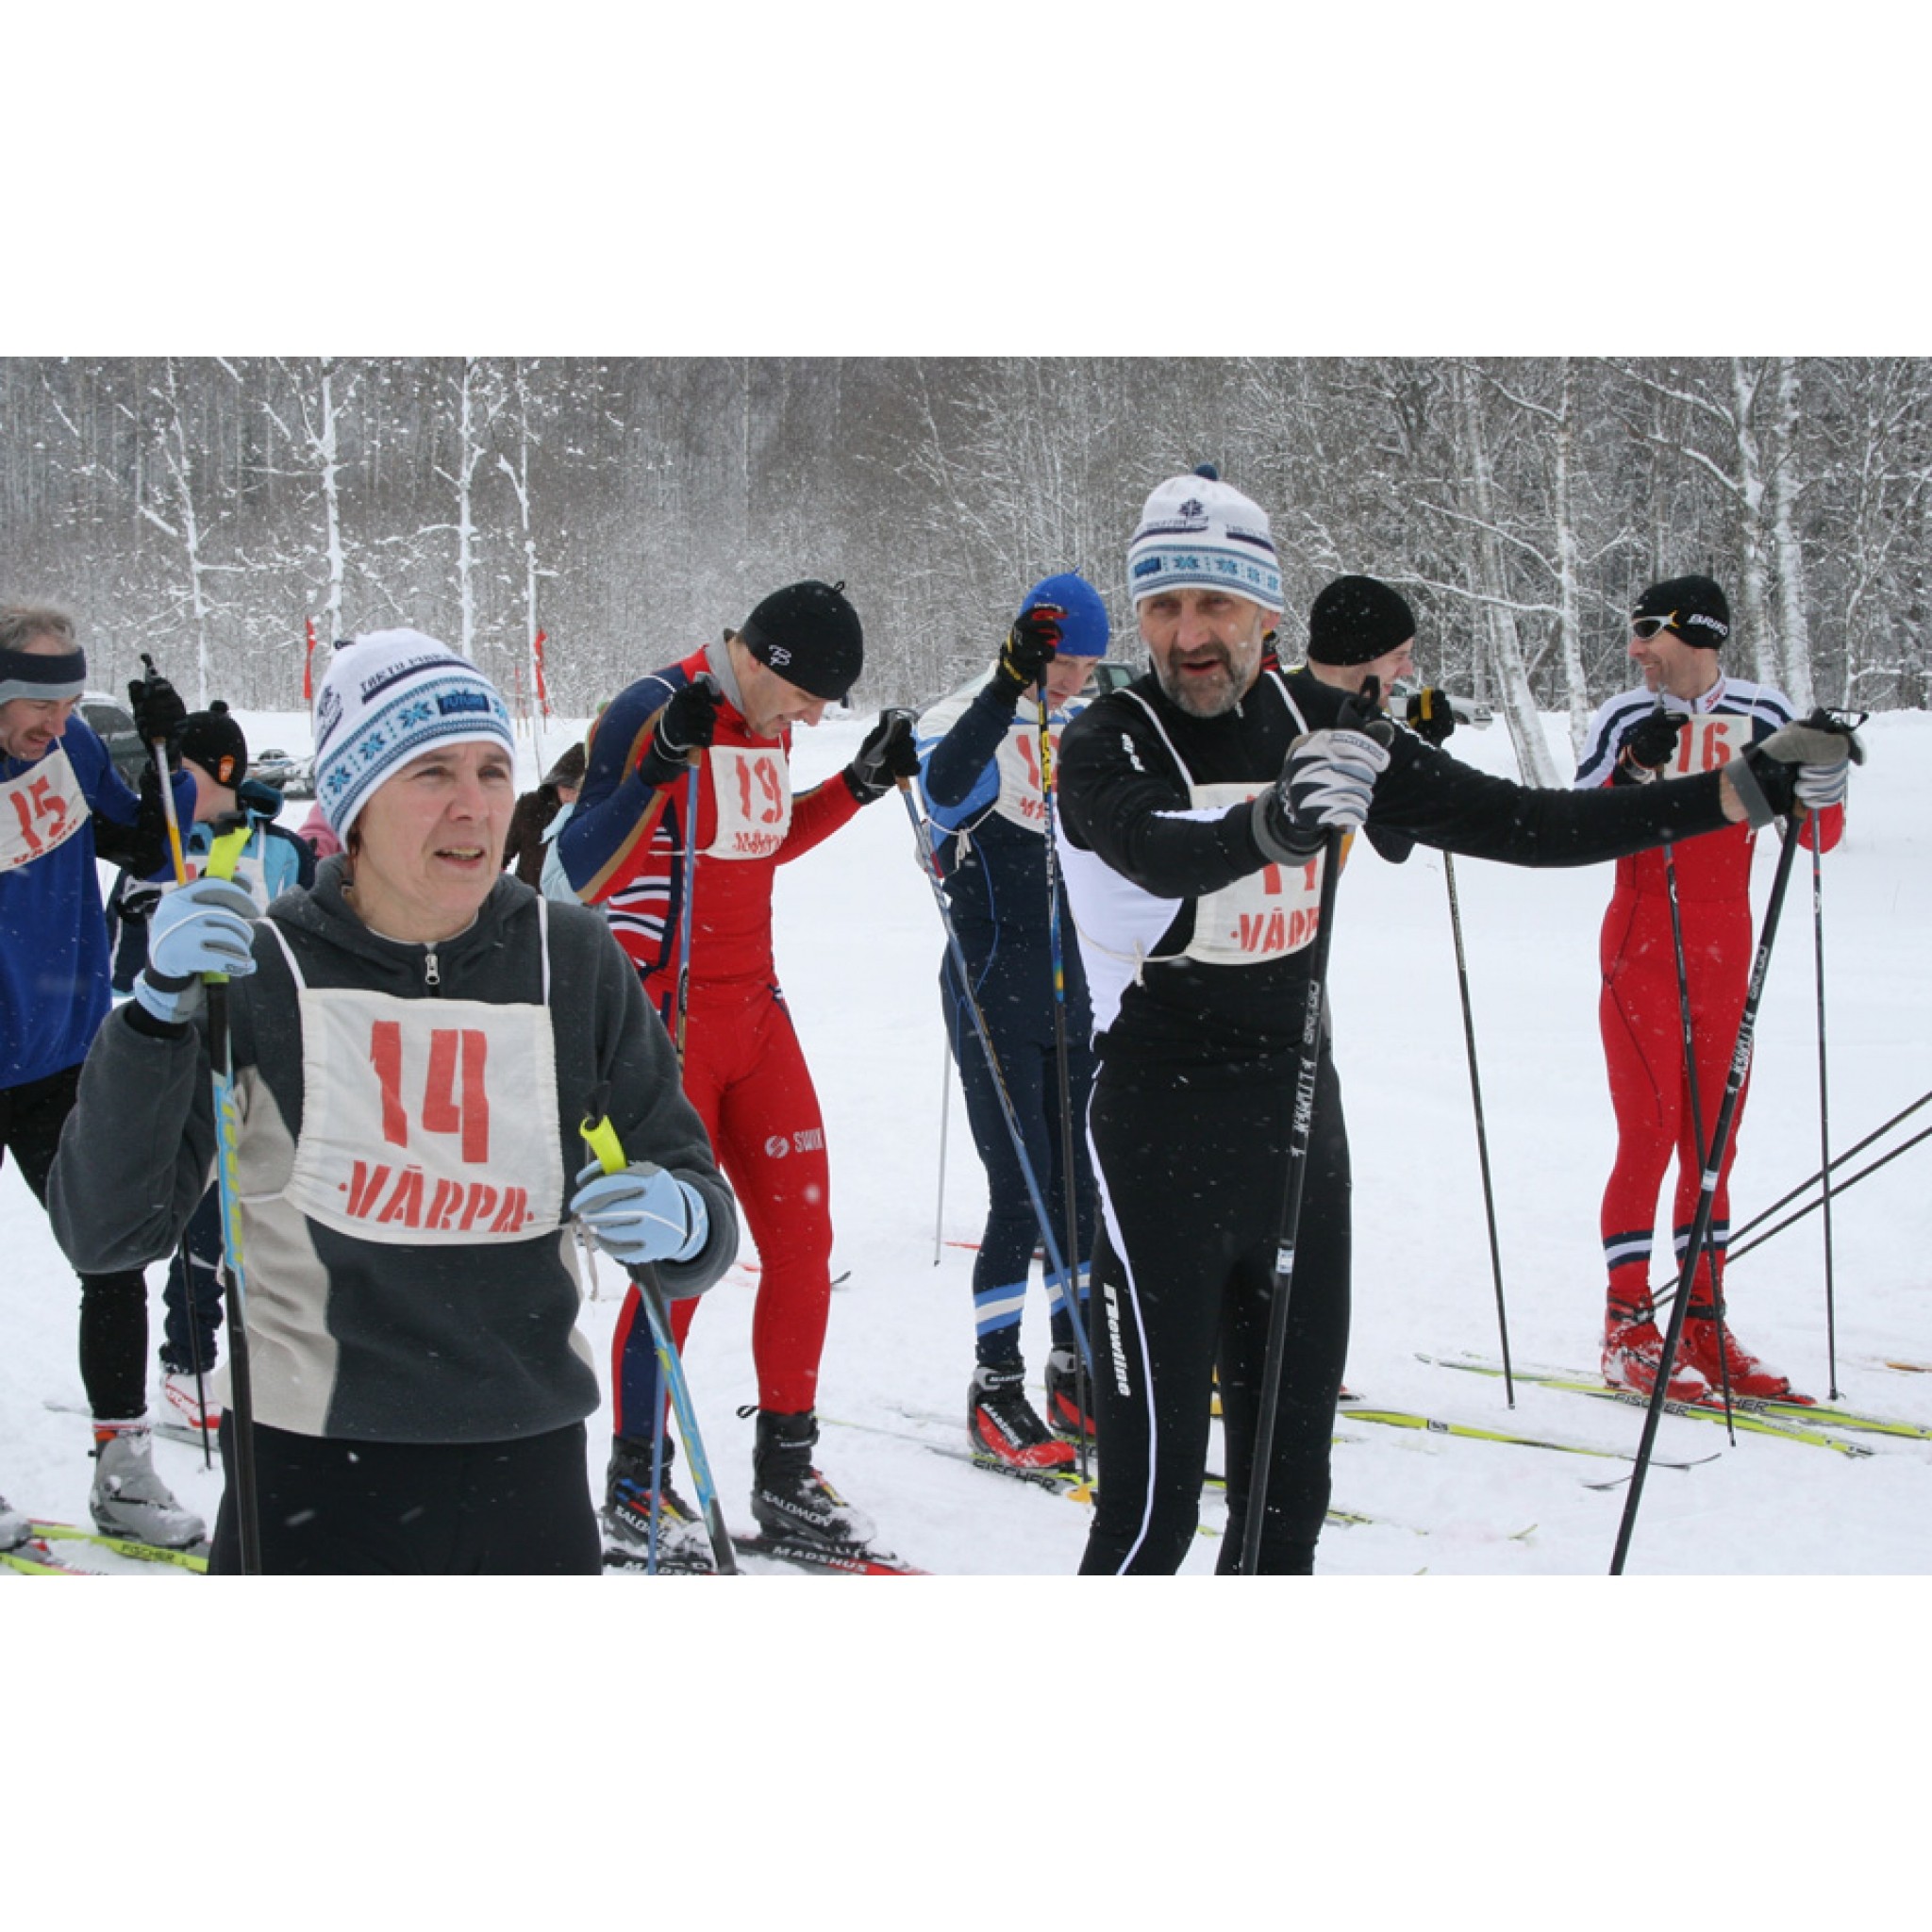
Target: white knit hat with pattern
x=389, y=697
x=1198, y=533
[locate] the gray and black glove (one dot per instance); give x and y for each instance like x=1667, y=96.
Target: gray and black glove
x=1808, y=765
x=888, y=754
x=1327, y=783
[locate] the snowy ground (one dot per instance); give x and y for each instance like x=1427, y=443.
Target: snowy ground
x=858, y=944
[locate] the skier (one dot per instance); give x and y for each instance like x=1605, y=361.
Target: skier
x=63, y=806
x=415, y=1042
x=525, y=848
x=212, y=749
x=1685, y=716
x=1195, y=808
x=733, y=703
x=980, y=751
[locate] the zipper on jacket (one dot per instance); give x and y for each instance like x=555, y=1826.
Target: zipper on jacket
x=432, y=973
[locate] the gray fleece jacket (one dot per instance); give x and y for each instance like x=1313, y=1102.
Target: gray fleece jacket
x=356, y=1339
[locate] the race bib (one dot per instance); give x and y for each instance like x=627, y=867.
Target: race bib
x=1263, y=916
x=42, y=809
x=1707, y=741
x=1020, y=797
x=751, y=790
x=428, y=1120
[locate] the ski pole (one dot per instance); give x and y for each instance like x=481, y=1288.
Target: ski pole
x=1482, y=1138
x=158, y=746
x=230, y=833
x=1844, y=1187
x=1738, y=1249
x=1823, y=1115
x=1077, y=1314
x=1707, y=1197
x=938, y=1210
x=600, y=1137
x=684, y=911
x=929, y=866
x=1300, y=1129
x=1717, y=1302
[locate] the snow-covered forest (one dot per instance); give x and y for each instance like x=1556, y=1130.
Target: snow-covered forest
x=210, y=509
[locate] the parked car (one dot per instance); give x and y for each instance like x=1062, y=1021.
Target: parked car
x=292, y=776
x=114, y=725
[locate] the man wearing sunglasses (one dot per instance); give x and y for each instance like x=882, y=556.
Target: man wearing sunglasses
x=1686, y=716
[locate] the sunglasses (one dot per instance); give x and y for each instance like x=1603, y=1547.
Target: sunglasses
x=1647, y=627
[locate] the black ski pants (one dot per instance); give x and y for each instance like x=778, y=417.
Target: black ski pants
x=1193, y=1163
x=331, y=1508
x=113, y=1307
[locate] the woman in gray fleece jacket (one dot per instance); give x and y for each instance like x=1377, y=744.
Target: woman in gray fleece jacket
x=415, y=1042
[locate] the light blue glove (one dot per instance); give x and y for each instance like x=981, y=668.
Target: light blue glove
x=203, y=926
x=641, y=1214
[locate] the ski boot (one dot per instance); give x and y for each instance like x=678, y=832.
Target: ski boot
x=186, y=1408
x=791, y=1501
x=1634, y=1352
x=129, y=1499
x=1004, y=1429
x=1710, y=1348
x=684, y=1544
x=14, y=1528
x=1063, y=1412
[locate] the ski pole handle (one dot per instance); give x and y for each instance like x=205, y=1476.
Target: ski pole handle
x=231, y=835
x=158, y=746
x=600, y=1137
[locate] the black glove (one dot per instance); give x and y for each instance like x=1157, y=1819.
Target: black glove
x=143, y=847
x=158, y=712
x=1650, y=745
x=257, y=796
x=1807, y=764
x=1429, y=714
x=1029, y=648
x=888, y=754
x=684, y=726
x=138, y=898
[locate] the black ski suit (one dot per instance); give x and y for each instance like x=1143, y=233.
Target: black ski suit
x=1196, y=951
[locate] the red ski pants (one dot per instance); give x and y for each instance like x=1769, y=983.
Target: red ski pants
x=1642, y=1020
x=745, y=1073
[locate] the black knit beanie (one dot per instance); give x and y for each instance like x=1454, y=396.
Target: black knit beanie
x=1701, y=615
x=811, y=636
x=1357, y=619
x=215, y=742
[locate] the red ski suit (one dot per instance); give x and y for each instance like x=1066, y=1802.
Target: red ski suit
x=1639, y=1011
x=743, y=1070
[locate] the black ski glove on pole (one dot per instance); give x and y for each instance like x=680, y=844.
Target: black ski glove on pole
x=1429, y=714
x=684, y=726
x=1649, y=745
x=1029, y=648
x=158, y=712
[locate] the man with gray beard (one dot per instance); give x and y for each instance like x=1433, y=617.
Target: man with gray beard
x=1195, y=812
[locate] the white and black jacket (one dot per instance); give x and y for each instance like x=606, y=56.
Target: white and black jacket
x=1139, y=853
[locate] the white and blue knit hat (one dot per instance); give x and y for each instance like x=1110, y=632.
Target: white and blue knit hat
x=1198, y=533
x=389, y=697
